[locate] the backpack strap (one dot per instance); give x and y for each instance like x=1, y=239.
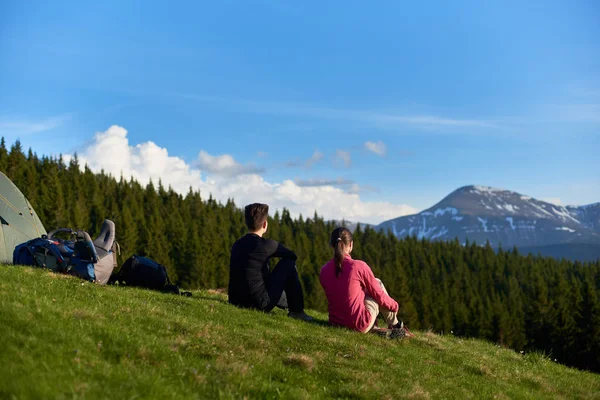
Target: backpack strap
x=54, y=232
x=84, y=247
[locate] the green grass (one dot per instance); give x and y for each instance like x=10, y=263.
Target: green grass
x=63, y=338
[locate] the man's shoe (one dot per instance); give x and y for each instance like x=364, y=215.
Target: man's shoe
x=300, y=315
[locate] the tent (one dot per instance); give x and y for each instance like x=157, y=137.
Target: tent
x=19, y=222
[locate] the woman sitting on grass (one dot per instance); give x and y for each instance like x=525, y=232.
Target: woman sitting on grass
x=354, y=295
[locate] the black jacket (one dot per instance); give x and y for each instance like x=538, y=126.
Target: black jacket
x=249, y=270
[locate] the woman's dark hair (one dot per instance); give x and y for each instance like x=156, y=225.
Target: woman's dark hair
x=340, y=237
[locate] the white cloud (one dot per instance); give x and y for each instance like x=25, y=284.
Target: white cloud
x=343, y=157
x=19, y=126
x=375, y=118
x=576, y=112
x=323, y=182
x=356, y=188
x=348, y=185
x=316, y=157
x=112, y=152
x=225, y=165
x=553, y=200
x=427, y=121
x=378, y=148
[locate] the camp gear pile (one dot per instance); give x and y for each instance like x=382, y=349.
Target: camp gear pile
x=92, y=260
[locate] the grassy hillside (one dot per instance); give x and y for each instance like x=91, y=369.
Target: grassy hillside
x=63, y=338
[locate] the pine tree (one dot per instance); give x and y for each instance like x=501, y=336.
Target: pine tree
x=529, y=302
x=15, y=164
x=3, y=156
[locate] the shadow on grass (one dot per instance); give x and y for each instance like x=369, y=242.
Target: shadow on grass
x=274, y=312
x=320, y=322
x=208, y=297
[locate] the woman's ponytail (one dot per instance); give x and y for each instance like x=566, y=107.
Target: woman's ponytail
x=341, y=238
x=338, y=256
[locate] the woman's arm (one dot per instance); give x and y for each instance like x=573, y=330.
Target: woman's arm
x=375, y=291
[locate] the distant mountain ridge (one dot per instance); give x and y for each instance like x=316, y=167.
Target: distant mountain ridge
x=504, y=218
x=352, y=225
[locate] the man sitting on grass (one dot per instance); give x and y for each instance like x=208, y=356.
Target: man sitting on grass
x=251, y=284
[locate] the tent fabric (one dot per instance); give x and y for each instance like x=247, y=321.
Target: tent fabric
x=18, y=220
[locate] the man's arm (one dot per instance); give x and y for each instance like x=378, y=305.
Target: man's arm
x=275, y=249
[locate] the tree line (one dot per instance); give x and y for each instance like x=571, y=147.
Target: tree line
x=525, y=302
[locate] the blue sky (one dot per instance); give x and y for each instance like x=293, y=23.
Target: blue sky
x=389, y=104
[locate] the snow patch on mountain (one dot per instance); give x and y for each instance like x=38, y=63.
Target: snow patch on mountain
x=484, y=223
x=539, y=208
x=394, y=229
x=564, y=214
x=486, y=189
x=440, y=233
x=564, y=228
x=510, y=221
x=485, y=205
x=442, y=211
x=439, y=213
x=526, y=225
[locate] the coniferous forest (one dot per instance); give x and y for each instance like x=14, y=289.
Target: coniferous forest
x=526, y=303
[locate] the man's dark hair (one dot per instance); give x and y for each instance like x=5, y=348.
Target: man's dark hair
x=255, y=214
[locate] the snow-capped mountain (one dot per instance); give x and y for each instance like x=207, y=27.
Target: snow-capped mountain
x=588, y=215
x=502, y=217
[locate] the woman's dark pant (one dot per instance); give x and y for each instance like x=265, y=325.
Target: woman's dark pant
x=284, y=287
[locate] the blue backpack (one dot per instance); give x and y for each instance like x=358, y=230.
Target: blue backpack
x=76, y=257
x=44, y=252
x=93, y=261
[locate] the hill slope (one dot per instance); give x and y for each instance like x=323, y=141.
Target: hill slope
x=65, y=338
x=481, y=213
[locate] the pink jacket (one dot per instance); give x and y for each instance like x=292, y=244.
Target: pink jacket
x=346, y=293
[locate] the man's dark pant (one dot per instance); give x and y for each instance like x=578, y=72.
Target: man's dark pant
x=284, y=287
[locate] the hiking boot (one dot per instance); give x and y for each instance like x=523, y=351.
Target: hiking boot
x=401, y=332
x=399, y=325
x=300, y=315
x=398, y=333
x=383, y=332
x=392, y=333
